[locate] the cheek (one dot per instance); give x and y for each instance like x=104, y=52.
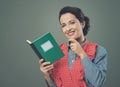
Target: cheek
x=63, y=31
x=79, y=28
x=78, y=31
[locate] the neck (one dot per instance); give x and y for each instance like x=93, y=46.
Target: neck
x=81, y=39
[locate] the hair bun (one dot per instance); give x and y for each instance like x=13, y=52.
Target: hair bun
x=87, y=25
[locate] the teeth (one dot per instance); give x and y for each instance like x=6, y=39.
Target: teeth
x=70, y=33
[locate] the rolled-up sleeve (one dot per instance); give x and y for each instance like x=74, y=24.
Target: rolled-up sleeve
x=95, y=71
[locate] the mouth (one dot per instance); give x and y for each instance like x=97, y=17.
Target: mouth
x=70, y=33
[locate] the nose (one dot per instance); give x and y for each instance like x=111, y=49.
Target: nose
x=68, y=27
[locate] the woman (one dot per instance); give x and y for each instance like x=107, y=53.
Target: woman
x=84, y=63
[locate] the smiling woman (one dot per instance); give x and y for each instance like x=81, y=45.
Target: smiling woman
x=84, y=63
x=71, y=26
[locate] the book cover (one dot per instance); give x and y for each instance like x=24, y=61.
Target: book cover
x=47, y=48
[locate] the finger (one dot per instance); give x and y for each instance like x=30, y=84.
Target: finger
x=45, y=64
x=41, y=61
x=47, y=71
x=71, y=46
x=48, y=67
x=72, y=40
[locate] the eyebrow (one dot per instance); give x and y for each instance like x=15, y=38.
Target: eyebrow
x=68, y=21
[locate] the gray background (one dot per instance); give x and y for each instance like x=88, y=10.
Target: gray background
x=28, y=19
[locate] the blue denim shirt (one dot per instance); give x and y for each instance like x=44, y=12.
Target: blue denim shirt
x=95, y=71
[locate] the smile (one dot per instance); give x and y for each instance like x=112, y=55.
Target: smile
x=70, y=33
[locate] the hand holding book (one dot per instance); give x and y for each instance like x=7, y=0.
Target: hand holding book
x=47, y=48
x=46, y=68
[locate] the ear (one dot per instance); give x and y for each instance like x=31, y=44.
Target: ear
x=83, y=24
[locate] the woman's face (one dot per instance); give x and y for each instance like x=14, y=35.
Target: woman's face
x=71, y=26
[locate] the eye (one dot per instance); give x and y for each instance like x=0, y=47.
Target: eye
x=72, y=22
x=62, y=25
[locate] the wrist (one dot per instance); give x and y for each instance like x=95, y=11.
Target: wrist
x=47, y=78
x=83, y=54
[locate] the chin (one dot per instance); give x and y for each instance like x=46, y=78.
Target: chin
x=72, y=38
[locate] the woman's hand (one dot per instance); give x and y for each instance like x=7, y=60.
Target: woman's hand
x=45, y=67
x=76, y=47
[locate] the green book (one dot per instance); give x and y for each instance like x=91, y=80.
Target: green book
x=47, y=48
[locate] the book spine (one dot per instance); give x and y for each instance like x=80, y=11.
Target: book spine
x=36, y=51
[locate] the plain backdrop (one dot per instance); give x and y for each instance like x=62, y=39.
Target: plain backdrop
x=29, y=19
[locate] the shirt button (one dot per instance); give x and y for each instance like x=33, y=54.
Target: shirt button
x=72, y=61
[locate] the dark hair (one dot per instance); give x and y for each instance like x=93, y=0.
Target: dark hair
x=78, y=14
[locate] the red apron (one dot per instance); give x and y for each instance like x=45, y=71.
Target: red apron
x=65, y=77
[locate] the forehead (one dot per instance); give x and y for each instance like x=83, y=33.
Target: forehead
x=67, y=17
